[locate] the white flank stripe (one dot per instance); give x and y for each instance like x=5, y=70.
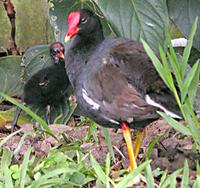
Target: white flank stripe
x=93, y=104
x=153, y=103
x=111, y=120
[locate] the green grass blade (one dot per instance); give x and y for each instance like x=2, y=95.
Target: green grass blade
x=149, y=177
x=156, y=62
x=163, y=180
x=192, y=92
x=188, y=47
x=168, y=73
x=20, y=143
x=176, y=71
x=100, y=173
x=92, y=130
x=198, y=168
x=193, y=126
x=5, y=163
x=175, y=124
x=107, y=164
x=24, y=168
x=8, y=137
x=197, y=182
x=107, y=169
x=130, y=177
x=31, y=113
x=151, y=146
x=188, y=80
x=185, y=178
x=44, y=180
x=108, y=141
x=174, y=61
x=172, y=178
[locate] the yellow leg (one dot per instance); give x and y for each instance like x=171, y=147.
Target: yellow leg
x=139, y=138
x=127, y=137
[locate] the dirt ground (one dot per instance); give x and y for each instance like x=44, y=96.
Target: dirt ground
x=169, y=152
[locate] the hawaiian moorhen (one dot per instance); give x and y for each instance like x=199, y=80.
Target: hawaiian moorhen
x=45, y=87
x=115, y=82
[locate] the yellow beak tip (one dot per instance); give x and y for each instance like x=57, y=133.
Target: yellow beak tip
x=62, y=56
x=67, y=38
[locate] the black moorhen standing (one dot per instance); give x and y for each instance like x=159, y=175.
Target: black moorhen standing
x=115, y=82
x=44, y=87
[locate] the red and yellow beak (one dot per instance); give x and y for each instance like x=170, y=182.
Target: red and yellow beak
x=61, y=55
x=70, y=35
x=73, y=21
x=67, y=38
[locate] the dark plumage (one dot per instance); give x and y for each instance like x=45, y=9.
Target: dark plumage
x=49, y=85
x=114, y=80
x=117, y=74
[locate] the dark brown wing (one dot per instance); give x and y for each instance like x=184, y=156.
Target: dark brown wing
x=123, y=76
x=117, y=97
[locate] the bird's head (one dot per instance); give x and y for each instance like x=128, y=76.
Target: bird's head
x=82, y=22
x=57, y=51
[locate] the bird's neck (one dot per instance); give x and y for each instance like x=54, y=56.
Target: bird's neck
x=88, y=42
x=79, y=53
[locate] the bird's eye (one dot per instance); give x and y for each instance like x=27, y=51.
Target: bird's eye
x=84, y=20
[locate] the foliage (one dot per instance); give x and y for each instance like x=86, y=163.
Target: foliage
x=10, y=75
x=34, y=60
x=130, y=19
x=58, y=16
x=57, y=169
x=182, y=18
x=7, y=116
x=69, y=166
x=32, y=25
x=31, y=113
x=187, y=83
x=183, y=14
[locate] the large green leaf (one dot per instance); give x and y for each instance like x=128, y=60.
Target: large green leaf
x=35, y=59
x=183, y=14
x=137, y=19
x=133, y=19
x=10, y=75
x=58, y=15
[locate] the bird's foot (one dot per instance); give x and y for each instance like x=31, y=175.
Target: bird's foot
x=15, y=127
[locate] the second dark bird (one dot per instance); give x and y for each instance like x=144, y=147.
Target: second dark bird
x=48, y=86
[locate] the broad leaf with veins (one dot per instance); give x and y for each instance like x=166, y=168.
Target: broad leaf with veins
x=183, y=14
x=58, y=15
x=137, y=19
x=10, y=75
x=132, y=19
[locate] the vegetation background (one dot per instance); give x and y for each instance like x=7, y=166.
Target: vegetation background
x=38, y=160
x=32, y=24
